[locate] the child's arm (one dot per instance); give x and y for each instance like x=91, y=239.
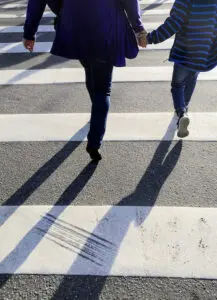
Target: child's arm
x=172, y=25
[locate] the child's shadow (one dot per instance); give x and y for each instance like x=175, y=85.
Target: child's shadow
x=145, y=194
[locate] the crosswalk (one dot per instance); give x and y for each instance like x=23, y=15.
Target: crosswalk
x=140, y=225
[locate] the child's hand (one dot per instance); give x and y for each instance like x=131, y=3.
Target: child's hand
x=29, y=44
x=141, y=38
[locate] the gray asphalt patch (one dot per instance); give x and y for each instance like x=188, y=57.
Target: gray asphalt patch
x=37, y=61
x=131, y=173
x=34, y=287
x=73, y=98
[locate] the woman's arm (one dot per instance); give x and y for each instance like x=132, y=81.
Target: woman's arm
x=132, y=10
x=35, y=10
x=133, y=13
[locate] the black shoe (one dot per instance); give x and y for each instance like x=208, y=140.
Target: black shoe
x=94, y=153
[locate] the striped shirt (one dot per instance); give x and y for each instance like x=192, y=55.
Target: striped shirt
x=194, y=22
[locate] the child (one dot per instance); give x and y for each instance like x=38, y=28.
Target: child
x=194, y=50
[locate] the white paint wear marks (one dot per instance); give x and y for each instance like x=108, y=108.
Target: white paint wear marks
x=73, y=75
x=65, y=127
x=99, y=240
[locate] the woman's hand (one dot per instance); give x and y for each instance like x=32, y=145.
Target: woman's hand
x=142, y=38
x=29, y=44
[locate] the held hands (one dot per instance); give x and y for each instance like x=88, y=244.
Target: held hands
x=29, y=44
x=142, y=38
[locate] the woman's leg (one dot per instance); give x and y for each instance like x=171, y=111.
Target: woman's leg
x=98, y=83
x=88, y=79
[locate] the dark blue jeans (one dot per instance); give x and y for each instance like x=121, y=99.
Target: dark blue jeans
x=98, y=82
x=183, y=85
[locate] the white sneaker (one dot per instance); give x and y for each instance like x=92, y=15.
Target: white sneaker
x=183, y=124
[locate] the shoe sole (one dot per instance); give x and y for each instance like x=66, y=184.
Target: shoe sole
x=183, y=127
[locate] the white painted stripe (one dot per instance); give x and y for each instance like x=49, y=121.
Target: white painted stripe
x=153, y=12
x=13, y=5
x=44, y=47
x=73, y=75
x=144, y=2
x=50, y=28
x=99, y=240
x=47, y=14
x=40, y=47
x=8, y=16
x=19, y=29
x=63, y=127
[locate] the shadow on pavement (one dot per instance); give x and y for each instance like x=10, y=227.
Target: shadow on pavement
x=145, y=194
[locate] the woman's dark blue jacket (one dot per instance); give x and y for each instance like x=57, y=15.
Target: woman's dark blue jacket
x=90, y=29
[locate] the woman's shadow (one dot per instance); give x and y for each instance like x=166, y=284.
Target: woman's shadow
x=25, y=247
x=101, y=259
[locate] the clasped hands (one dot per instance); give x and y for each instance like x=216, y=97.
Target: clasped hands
x=142, y=38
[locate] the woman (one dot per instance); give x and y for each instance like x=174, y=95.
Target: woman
x=99, y=33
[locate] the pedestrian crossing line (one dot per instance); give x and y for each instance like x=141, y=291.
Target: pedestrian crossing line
x=45, y=47
x=8, y=16
x=23, y=5
x=76, y=75
x=50, y=28
x=155, y=2
x=40, y=47
x=13, y=5
x=19, y=29
x=63, y=127
x=152, y=12
x=170, y=241
x=49, y=14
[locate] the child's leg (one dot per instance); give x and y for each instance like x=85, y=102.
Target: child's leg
x=183, y=84
x=190, y=87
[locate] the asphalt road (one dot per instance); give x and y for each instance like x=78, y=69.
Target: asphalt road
x=148, y=173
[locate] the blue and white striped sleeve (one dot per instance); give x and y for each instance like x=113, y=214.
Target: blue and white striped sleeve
x=173, y=24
